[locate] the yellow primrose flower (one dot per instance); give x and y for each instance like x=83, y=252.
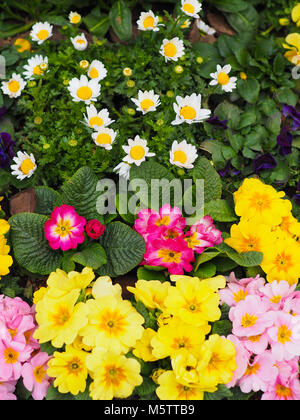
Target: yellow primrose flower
x=39, y=294
x=115, y=376
x=112, y=323
x=249, y=236
x=170, y=389
x=60, y=283
x=293, y=47
x=216, y=362
x=296, y=14
x=185, y=365
x=22, y=45
x=143, y=348
x=177, y=336
x=69, y=370
x=282, y=262
x=151, y=293
x=4, y=226
x=6, y=260
x=59, y=320
x=194, y=301
x=261, y=203
x=290, y=225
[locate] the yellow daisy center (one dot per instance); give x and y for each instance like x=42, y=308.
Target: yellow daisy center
x=39, y=373
x=137, y=152
x=103, y=138
x=189, y=8
x=26, y=166
x=84, y=93
x=94, y=73
x=146, y=104
x=10, y=356
x=43, y=34
x=248, y=320
x=149, y=22
x=223, y=78
x=37, y=70
x=169, y=256
x=188, y=113
x=170, y=49
x=13, y=86
x=75, y=18
x=80, y=41
x=284, y=334
x=63, y=228
x=283, y=391
x=180, y=156
x=95, y=121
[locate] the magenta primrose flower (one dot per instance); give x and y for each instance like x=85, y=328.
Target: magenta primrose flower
x=65, y=229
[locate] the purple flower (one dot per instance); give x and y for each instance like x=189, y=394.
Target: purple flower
x=217, y=122
x=284, y=141
x=289, y=110
x=6, y=150
x=229, y=170
x=265, y=161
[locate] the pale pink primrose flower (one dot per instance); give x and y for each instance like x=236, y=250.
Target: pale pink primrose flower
x=275, y=293
x=12, y=355
x=7, y=390
x=250, y=317
x=285, y=336
x=285, y=388
x=35, y=376
x=260, y=372
x=256, y=344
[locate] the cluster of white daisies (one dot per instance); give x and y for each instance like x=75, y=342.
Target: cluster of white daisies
x=87, y=89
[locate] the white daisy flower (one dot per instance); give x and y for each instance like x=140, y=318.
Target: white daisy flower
x=24, y=166
x=84, y=89
x=104, y=137
x=74, y=18
x=205, y=28
x=183, y=154
x=172, y=49
x=36, y=66
x=123, y=170
x=136, y=151
x=95, y=119
x=147, y=101
x=188, y=109
x=191, y=8
x=148, y=22
x=40, y=32
x=221, y=77
x=97, y=70
x=80, y=42
x=13, y=88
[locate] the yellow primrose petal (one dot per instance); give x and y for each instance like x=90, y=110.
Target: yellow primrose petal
x=294, y=40
x=296, y=13
x=4, y=227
